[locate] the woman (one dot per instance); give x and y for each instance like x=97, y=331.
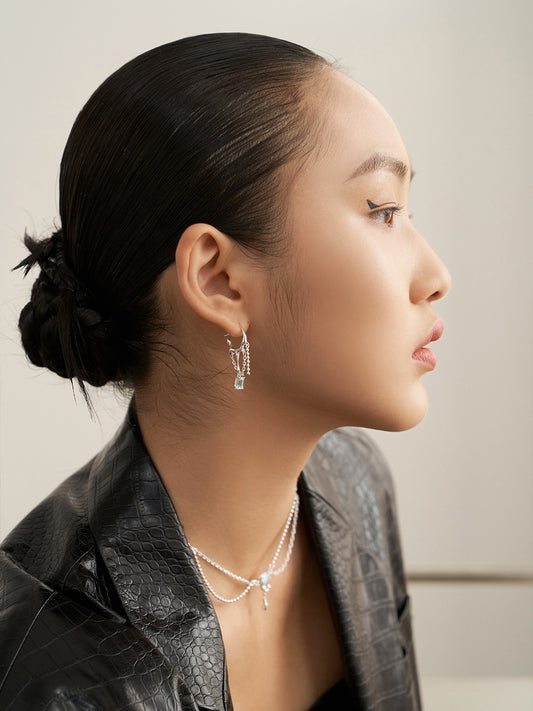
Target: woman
x=235, y=248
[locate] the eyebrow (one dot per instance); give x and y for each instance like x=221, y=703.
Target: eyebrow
x=382, y=161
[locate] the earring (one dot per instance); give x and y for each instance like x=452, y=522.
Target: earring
x=241, y=368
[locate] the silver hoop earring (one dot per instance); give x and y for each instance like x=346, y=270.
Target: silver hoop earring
x=240, y=365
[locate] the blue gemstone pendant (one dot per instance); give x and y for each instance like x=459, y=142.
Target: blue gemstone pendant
x=264, y=582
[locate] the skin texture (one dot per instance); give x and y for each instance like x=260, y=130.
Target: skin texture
x=335, y=349
x=370, y=285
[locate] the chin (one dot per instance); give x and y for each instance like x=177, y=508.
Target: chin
x=406, y=415
x=402, y=425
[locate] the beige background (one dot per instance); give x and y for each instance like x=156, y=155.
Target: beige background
x=456, y=77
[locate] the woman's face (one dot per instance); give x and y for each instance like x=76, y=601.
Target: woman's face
x=366, y=278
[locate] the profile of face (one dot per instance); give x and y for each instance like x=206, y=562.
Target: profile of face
x=335, y=325
x=365, y=279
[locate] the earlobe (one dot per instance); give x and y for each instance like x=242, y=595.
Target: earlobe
x=207, y=266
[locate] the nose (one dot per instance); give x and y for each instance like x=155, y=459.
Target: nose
x=431, y=279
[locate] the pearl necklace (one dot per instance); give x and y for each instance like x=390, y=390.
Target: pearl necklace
x=263, y=581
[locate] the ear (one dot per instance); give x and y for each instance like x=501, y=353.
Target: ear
x=210, y=270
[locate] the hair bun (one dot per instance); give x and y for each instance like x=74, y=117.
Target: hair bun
x=60, y=328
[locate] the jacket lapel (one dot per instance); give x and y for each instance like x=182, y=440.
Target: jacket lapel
x=341, y=506
x=145, y=551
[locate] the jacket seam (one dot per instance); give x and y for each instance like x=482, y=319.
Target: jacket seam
x=66, y=576
x=316, y=494
x=23, y=640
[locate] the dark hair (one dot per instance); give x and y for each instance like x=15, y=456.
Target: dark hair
x=196, y=130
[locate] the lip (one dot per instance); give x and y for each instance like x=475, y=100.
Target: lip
x=434, y=334
x=425, y=356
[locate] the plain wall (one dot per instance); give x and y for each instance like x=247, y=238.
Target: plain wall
x=455, y=76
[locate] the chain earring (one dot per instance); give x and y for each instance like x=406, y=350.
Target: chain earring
x=241, y=365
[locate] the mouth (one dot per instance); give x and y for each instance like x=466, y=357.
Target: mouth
x=425, y=356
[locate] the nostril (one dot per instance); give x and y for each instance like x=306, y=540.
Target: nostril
x=436, y=295
x=445, y=288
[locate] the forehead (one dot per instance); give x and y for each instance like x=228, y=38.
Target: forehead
x=354, y=127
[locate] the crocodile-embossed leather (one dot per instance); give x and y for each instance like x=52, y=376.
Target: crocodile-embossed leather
x=102, y=606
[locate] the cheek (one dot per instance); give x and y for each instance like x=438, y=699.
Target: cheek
x=352, y=351
x=357, y=292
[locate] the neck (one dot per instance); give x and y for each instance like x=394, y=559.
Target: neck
x=232, y=481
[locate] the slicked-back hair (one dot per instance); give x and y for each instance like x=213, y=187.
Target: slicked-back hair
x=197, y=130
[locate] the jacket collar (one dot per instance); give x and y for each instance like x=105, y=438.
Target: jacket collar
x=148, y=558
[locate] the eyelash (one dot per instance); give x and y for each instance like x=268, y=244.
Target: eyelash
x=384, y=214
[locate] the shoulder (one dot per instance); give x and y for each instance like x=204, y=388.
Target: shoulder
x=348, y=470
x=59, y=654
x=53, y=544
x=66, y=641
x=352, y=454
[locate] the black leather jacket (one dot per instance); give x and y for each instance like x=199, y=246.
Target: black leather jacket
x=102, y=607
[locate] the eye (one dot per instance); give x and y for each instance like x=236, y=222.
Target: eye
x=384, y=214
